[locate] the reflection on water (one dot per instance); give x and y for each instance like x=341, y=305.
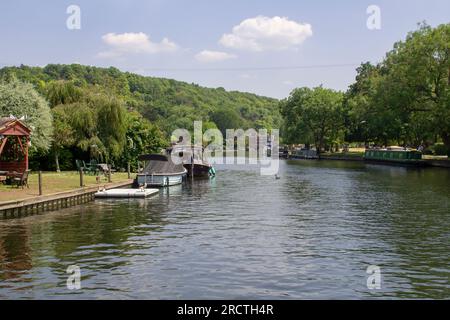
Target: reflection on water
x=310, y=234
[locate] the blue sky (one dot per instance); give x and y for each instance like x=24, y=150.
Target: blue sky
x=238, y=45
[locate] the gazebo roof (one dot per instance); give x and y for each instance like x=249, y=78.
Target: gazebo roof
x=13, y=127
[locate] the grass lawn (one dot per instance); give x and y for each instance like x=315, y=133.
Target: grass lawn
x=53, y=182
x=360, y=150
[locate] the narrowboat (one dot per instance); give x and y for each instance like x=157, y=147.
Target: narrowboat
x=397, y=155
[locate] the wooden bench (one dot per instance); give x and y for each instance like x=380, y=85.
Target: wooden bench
x=21, y=179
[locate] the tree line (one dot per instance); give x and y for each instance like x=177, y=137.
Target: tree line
x=83, y=112
x=404, y=100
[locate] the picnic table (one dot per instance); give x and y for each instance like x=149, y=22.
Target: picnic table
x=9, y=174
x=93, y=167
x=8, y=177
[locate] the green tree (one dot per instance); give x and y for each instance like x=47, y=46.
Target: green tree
x=63, y=134
x=417, y=80
x=406, y=97
x=62, y=92
x=22, y=101
x=226, y=119
x=367, y=117
x=111, y=123
x=142, y=137
x=83, y=122
x=313, y=116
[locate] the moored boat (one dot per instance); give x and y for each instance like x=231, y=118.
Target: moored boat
x=160, y=171
x=193, y=160
x=394, y=155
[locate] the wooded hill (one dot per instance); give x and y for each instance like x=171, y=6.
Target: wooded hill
x=167, y=103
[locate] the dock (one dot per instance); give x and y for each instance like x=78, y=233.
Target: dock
x=56, y=201
x=126, y=193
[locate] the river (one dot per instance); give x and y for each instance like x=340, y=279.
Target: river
x=310, y=234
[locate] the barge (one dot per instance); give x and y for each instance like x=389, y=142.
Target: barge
x=395, y=155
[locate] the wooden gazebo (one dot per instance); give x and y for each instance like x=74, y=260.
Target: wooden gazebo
x=14, y=141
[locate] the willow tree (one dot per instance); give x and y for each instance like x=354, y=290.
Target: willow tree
x=63, y=133
x=111, y=123
x=82, y=121
x=62, y=92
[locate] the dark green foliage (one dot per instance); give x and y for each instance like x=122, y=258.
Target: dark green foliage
x=226, y=119
x=141, y=138
x=440, y=149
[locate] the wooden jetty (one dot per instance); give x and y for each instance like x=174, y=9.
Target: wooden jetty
x=56, y=201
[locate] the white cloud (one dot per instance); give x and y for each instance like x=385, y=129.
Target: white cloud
x=246, y=76
x=134, y=43
x=213, y=56
x=264, y=33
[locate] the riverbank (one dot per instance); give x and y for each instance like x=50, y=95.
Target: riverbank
x=427, y=161
x=54, y=182
x=55, y=201
x=60, y=190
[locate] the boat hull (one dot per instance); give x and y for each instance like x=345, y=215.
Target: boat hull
x=160, y=180
x=200, y=170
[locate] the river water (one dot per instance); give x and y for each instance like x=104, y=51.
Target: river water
x=310, y=234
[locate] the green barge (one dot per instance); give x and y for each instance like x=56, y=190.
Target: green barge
x=394, y=155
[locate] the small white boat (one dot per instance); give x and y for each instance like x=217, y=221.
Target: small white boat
x=160, y=171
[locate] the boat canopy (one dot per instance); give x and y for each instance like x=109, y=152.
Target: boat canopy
x=186, y=152
x=161, y=164
x=149, y=157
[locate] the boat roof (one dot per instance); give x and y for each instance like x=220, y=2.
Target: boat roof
x=161, y=164
x=155, y=157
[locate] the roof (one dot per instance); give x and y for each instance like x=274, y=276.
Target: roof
x=148, y=157
x=13, y=127
x=161, y=164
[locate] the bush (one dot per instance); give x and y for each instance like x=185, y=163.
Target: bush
x=428, y=152
x=440, y=149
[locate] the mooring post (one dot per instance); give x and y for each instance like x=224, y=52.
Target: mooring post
x=129, y=170
x=40, y=182
x=81, y=178
x=109, y=173
x=192, y=167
